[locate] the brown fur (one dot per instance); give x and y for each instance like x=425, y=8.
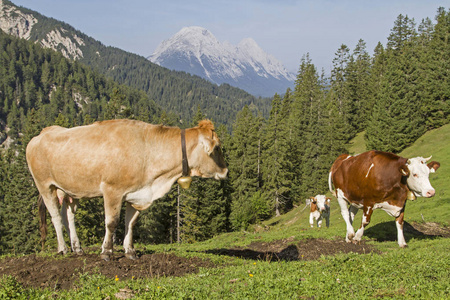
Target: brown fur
x=383, y=183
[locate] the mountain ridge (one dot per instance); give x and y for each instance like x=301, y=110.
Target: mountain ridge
x=197, y=51
x=177, y=92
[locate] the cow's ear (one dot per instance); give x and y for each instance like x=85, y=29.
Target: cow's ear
x=404, y=170
x=434, y=165
x=208, y=144
x=328, y=199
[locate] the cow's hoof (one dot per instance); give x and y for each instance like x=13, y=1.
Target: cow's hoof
x=79, y=252
x=105, y=256
x=403, y=246
x=131, y=256
x=63, y=252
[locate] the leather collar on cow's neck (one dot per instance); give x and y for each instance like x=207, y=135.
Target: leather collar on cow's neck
x=184, y=160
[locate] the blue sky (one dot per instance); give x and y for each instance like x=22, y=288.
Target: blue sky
x=286, y=29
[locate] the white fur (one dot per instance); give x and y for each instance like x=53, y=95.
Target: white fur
x=371, y=166
x=418, y=180
x=322, y=212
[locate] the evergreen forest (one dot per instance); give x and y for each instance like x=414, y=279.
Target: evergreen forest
x=276, y=158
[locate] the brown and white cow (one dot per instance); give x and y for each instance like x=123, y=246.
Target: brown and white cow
x=320, y=209
x=121, y=160
x=376, y=179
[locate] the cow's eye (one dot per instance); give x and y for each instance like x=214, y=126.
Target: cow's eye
x=415, y=175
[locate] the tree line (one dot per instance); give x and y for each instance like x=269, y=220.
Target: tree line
x=393, y=96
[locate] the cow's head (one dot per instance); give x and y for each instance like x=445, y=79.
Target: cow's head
x=417, y=173
x=207, y=159
x=322, y=202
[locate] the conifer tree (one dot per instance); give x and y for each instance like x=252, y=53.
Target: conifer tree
x=396, y=122
x=339, y=86
x=358, y=85
x=276, y=167
x=19, y=211
x=434, y=86
x=244, y=167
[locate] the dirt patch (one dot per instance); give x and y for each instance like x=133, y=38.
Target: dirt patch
x=288, y=250
x=62, y=273
x=430, y=229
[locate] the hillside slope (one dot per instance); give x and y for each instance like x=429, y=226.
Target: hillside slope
x=425, y=211
x=176, y=92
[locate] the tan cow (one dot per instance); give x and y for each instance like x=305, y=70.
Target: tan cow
x=121, y=160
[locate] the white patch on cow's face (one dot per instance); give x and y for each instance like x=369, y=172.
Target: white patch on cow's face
x=418, y=180
x=321, y=202
x=392, y=210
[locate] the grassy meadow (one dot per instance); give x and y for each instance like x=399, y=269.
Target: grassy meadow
x=420, y=271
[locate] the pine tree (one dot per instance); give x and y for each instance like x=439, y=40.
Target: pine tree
x=244, y=167
x=396, y=122
x=19, y=211
x=358, y=86
x=434, y=86
x=276, y=167
x=312, y=168
x=339, y=86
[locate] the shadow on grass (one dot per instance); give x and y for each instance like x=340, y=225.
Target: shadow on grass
x=290, y=253
x=306, y=249
x=387, y=231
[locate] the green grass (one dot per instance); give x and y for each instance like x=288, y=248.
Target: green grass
x=357, y=144
x=417, y=272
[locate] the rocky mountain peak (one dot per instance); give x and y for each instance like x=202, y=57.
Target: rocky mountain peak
x=196, y=50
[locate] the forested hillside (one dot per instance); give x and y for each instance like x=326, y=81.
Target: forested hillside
x=394, y=96
x=178, y=93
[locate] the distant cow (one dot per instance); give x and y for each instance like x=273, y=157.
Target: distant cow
x=121, y=160
x=376, y=179
x=320, y=209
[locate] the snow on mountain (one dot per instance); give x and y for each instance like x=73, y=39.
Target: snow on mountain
x=195, y=50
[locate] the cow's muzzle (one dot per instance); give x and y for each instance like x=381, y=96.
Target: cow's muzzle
x=222, y=175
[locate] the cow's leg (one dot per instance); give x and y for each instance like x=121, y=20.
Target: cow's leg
x=346, y=216
x=319, y=221
x=51, y=202
x=311, y=220
x=400, y=236
x=367, y=213
x=68, y=209
x=113, y=203
x=352, y=210
x=131, y=216
x=327, y=219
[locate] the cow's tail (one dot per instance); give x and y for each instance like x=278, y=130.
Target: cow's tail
x=43, y=220
x=330, y=184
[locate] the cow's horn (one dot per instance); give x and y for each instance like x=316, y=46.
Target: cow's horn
x=427, y=159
